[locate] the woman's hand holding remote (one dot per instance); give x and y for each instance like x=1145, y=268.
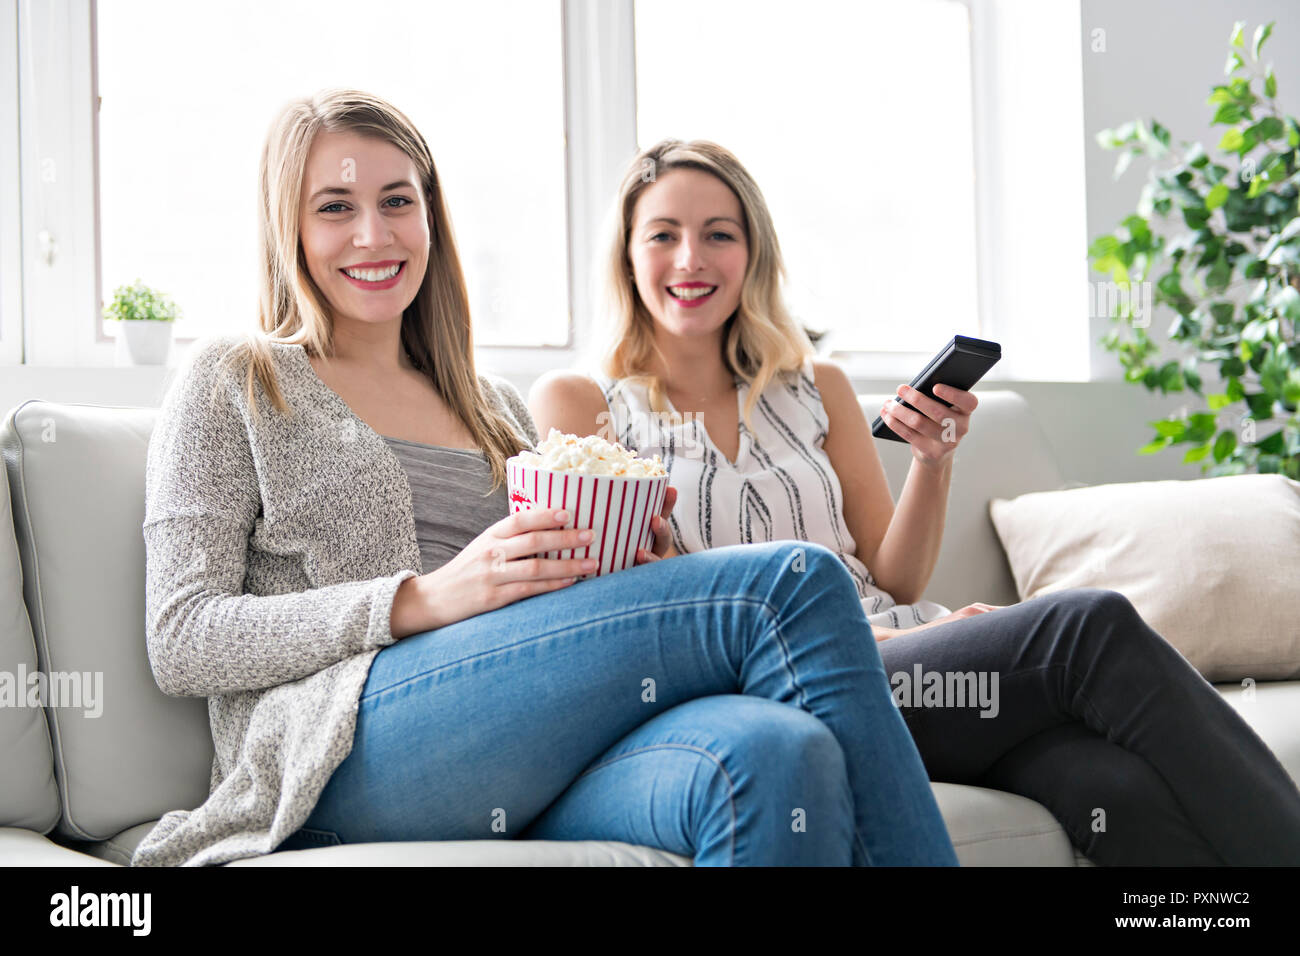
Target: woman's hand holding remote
x=934, y=429
x=497, y=568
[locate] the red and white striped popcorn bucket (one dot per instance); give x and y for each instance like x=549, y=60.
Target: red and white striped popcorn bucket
x=617, y=509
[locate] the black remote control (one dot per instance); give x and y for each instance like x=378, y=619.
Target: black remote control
x=961, y=363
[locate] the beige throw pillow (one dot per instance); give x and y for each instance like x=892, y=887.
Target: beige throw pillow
x=1212, y=564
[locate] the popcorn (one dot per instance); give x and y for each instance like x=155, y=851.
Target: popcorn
x=605, y=489
x=591, y=455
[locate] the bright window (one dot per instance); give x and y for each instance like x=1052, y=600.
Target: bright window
x=189, y=90
x=855, y=120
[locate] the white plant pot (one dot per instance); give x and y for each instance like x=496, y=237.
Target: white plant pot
x=148, y=342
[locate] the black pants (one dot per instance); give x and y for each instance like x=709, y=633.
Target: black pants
x=1104, y=723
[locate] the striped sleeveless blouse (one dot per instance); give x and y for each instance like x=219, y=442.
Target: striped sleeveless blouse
x=781, y=486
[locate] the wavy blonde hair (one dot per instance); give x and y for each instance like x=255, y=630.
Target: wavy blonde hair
x=760, y=340
x=436, y=331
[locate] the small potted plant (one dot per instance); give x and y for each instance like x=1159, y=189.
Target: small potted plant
x=146, y=317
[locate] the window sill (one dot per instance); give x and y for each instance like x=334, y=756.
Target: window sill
x=134, y=386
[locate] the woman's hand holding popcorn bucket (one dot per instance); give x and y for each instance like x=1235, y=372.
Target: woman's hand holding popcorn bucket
x=660, y=535
x=624, y=500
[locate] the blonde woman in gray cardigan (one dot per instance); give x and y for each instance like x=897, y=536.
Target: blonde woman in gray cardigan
x=330, y=562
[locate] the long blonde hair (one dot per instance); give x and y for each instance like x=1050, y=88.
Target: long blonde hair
x=760, y=340
x=436, y=331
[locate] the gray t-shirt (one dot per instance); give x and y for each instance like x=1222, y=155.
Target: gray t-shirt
x=448, y=488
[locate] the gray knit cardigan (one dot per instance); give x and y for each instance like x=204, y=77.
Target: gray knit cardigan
x=273, y=552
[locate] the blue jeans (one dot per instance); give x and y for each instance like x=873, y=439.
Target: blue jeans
x=728, y=706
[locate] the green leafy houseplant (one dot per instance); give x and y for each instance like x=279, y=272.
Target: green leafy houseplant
x=139, y=302
x=1233, y=277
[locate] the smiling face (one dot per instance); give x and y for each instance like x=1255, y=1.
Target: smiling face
x=364, y=226
x=688, y=250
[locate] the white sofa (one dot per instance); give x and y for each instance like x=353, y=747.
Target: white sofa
x=82, y=790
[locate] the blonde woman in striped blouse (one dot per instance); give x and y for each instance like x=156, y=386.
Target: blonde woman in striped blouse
x=766, y=442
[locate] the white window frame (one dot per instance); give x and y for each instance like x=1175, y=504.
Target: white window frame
x=11, y=260
x=60, y=273
x=600, y=136
x=996, y=172
x=904, y=365
x=600, y=139
x=59, y=302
